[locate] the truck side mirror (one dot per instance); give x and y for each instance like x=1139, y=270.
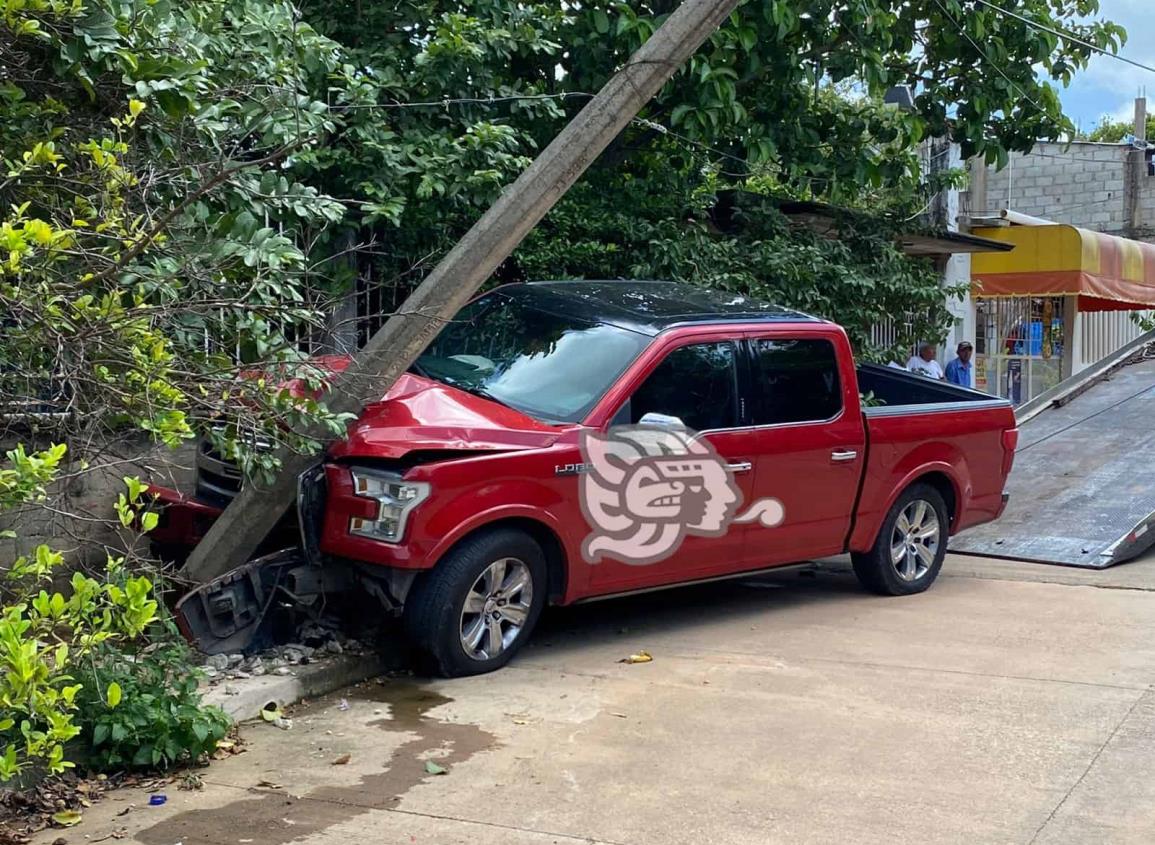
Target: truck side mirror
x=663, y=420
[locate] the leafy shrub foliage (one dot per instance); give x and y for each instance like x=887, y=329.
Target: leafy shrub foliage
x=159, y=720
x=76, y=661
x=46, y=633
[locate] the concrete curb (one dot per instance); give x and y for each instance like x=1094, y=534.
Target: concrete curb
x=308, y=681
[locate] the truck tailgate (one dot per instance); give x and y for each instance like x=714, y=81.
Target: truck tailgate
x=958, y=437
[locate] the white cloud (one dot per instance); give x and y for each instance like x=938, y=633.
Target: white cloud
x=1107, y=87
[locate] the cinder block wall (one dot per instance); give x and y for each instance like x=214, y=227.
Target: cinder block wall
x=1147, y=203
x=78, y=518
x=1080, y=184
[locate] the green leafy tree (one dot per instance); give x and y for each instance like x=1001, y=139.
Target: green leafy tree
x=665, y=217
x=155, y=247
x=155, y=277
x=785, y=98
x=972, y=70
x=1114, y=131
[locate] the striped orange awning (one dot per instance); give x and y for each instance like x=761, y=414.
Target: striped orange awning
x=1106, y=272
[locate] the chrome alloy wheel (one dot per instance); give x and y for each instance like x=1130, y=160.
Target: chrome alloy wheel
x=496, y=608
x=914, y=543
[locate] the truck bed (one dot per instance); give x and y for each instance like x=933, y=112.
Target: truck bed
x=924, y=423
x=904, y=392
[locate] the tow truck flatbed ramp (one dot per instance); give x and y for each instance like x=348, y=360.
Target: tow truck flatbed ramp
x=1082, y=491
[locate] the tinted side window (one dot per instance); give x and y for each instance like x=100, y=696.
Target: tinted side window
x=795, y=381
x=694, y=383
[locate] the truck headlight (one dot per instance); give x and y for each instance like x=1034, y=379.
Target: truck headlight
x=396, y=500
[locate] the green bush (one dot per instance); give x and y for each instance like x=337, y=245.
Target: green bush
x=88, y=656
x=159, y=721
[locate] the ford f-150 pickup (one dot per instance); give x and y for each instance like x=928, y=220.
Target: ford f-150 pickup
x=566, y=441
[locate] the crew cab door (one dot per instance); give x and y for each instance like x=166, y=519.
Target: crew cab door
x=809, y=440
x=697, y=381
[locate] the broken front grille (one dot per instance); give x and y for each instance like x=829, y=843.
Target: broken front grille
x=218, y=480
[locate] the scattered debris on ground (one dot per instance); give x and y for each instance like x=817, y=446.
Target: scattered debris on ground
x=60, y=802
x=27, y=811
x=313, y=642
x=272, y=713
x=638, y=657
x=190, y=781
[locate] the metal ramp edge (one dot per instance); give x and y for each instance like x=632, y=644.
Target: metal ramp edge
x=1082, y=492
x=1069, y=388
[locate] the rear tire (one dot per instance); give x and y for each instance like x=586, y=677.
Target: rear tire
x=911, y=544
x=475, y=610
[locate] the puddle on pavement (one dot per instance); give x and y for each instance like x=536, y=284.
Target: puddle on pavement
x=275, y=818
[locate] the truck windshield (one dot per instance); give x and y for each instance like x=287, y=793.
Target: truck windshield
x=546, y=365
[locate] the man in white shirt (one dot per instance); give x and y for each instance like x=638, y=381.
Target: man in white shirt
x=924, y=363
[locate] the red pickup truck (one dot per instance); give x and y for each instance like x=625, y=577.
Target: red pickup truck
x=567, y=441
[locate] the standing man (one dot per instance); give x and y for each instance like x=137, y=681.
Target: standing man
x=959, y=371
x=923, y=363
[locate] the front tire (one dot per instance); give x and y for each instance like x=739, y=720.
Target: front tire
x=908, y=552
x=475, y=610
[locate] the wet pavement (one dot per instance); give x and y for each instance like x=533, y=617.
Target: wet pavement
x=998, y=707
x=282, y=816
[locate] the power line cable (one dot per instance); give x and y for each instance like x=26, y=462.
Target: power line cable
x=663, y=130
x=453, y=101
x=985, y=55
x=691, y=143
x=1066, y=36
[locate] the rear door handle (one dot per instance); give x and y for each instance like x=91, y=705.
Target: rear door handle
x=741, y=466
x=842, y=455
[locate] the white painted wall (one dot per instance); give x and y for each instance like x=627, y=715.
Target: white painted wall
x=957, y=271
x=1100, y=333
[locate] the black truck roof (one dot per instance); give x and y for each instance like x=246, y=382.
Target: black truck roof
x=649, y=307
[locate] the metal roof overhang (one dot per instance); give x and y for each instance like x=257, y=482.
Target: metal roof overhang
x=950, y=243
x=1106, y=272
x=823, y=219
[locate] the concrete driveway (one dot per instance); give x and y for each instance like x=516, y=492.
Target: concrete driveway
x=1010, y=704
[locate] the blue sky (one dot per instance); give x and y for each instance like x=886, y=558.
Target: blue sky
x=1109, y=87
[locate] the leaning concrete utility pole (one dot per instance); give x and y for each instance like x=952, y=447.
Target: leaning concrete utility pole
x=1136, y=175
x=253, y=513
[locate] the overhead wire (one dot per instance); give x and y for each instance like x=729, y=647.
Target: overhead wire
x=1066, y=36
x=453, y=101
x=690, y=142
x=985, y=55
